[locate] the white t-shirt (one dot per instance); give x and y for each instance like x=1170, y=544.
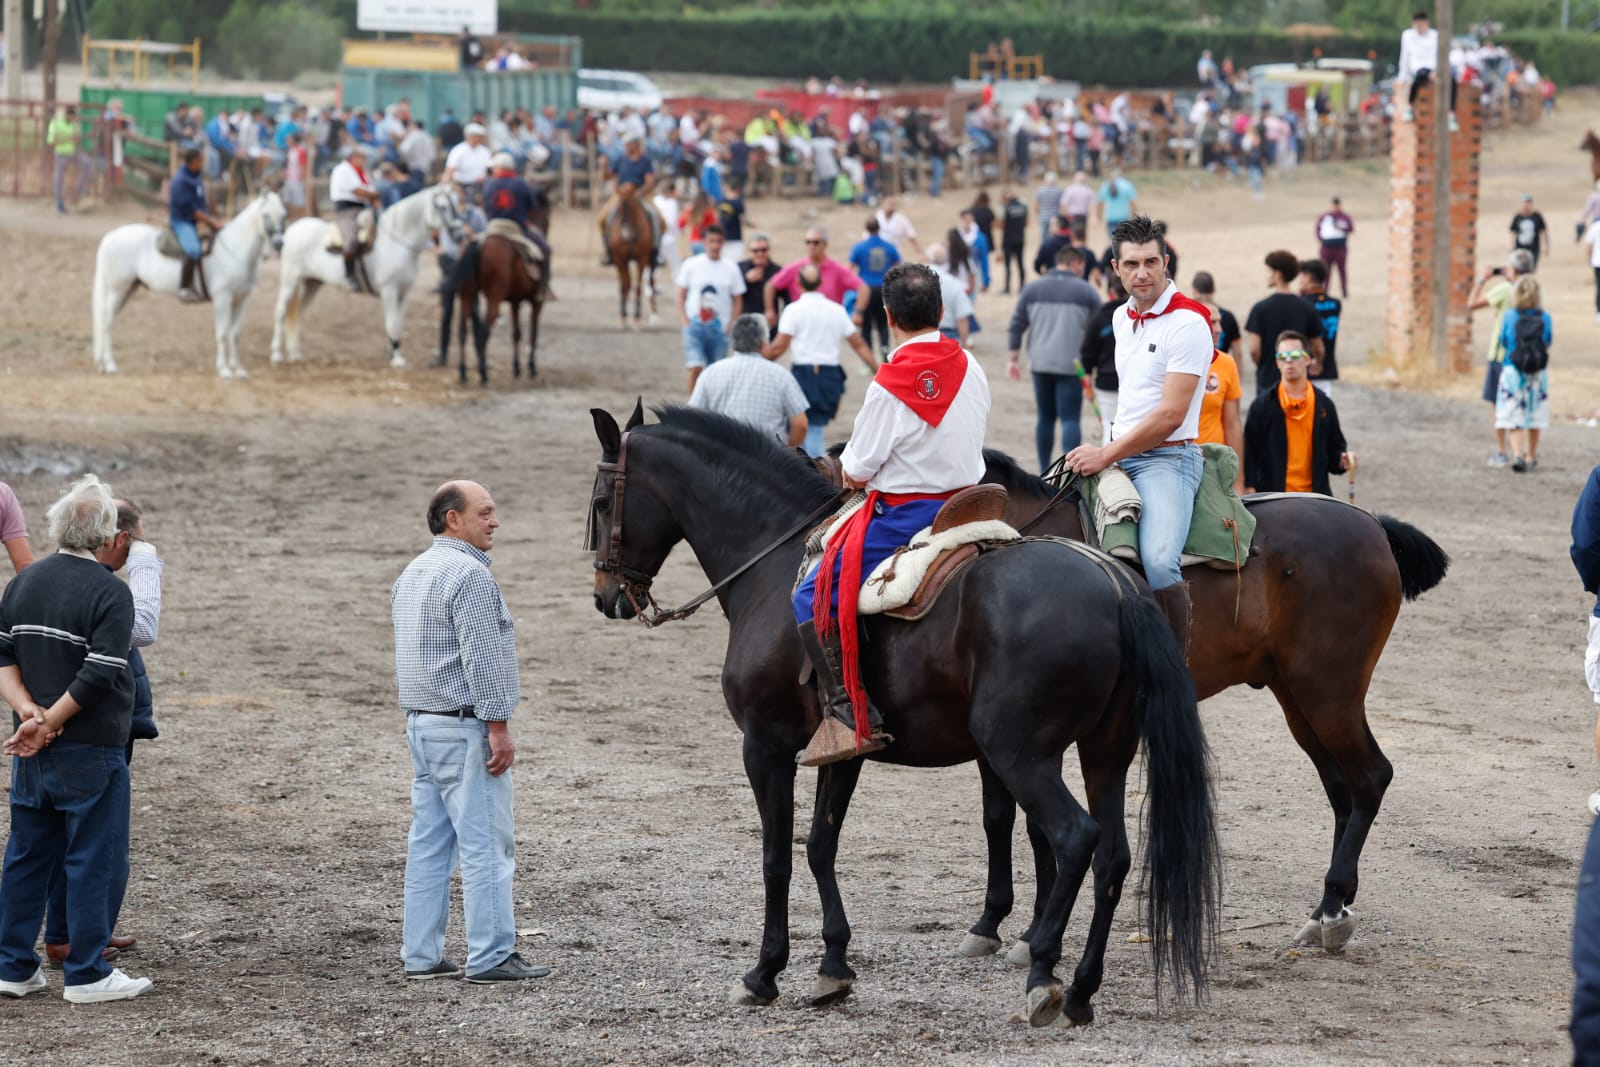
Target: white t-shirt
x=893, y=450
x=823, y=159
x=1418, y=51
x=468, y=163
x=343, y=183
x=710, y=283
x=667, y=207
x=1592, y=239
x=1177, y=341
x=816, y=327
x=957, y=304
x=896, y=229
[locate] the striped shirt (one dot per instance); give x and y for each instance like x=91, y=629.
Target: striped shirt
x=454, y=644
x=753, y=390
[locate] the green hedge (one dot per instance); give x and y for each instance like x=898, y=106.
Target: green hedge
x=1571, y=58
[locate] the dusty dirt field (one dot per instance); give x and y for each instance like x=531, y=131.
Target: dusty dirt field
x=270, y=818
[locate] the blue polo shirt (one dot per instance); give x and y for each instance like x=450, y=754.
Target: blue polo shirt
x=509, y=197
x=186, y=195
x=633, y=171
x=872, y=259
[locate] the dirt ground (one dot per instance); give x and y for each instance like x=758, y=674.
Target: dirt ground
x=270, y=818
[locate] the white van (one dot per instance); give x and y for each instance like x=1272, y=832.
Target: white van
x=608, y=90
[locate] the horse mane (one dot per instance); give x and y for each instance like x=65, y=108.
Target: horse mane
x=1003, y=470
x=750, y=467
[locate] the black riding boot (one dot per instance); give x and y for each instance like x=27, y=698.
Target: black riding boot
x=350, y=273
x=186, y=290
x=835, y=739
x=1174, y=601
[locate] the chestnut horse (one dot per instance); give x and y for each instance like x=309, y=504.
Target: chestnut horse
x=1591, y=145
x=629, y=239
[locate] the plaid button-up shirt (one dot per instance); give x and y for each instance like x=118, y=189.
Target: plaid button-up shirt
x=454, y=645
x=753, y=390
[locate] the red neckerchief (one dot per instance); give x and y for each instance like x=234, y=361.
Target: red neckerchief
x=359, y=172
x=926, y=376
x=1178, y=302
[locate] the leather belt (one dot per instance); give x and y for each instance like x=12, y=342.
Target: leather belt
x=1177, y=444
x=467, y=712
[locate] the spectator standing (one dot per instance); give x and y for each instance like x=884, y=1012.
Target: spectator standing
x=1585, y=553
x=1014, y=234
x=810, y=331
x=1204, y=288
x=667, y=208
x=1495, y=291
x=1077, y=200
x=752, y=389
x=467, y=164
x=1292, y=440
x=1329, y=309
x=1099, y=354
x=1591, y=211
x=1220, y=423
x=295, y=170
x=1205, y=70
x=1055, y=312
x=896, y=228
x=451, y=132
x=1334, y=228
x=1047, y=198
x=65, y=627
x=733, y=218
x=1118, y=200
x=825, y=161
x=1591, y=238
x=979, y=250
x=955, y=322
x=695, y=220
x=455, y=666
x=758, y=270
x=65, y=140
x=837, y=279
x=469, y=50
x=983, y=215
x=1528, y=231
x=14, y=530
x=448, y=250
x=1522, y=402
x=1281, y=311
x=707, y=284
x=872, y=257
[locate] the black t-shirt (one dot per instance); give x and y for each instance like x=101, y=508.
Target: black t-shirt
x=985, y=220
x=730, y=215
x=1230, y=329
x=1528, y=228
x=1328, y=309
x=1015, y=231
x=754, y=301
x=1269, y=318
x=1098, y=353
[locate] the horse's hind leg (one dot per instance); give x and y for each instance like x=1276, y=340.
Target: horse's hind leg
x=235, y=320
x=533, y=338
x=516, y=339
x=394, y=322
x=286, y=318
x=836, y=782
x=999, y=817
x=222, y=315
x=1105, y=778
x=623, y=282
x=1044, y=877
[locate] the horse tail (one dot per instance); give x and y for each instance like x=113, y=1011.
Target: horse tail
x=1422, y=562
x=1181, y=879
x=466, y=265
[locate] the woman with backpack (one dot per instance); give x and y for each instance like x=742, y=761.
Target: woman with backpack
x=1522, y=404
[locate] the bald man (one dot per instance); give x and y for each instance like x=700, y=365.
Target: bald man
x=455, y=662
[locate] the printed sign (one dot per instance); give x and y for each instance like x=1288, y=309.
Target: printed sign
x=428, y=16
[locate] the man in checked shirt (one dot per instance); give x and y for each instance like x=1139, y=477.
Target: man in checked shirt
x=456, y=667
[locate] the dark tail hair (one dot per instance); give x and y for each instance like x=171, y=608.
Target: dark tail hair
x=1181, y=879
x=466, y=265
x=1423, y=564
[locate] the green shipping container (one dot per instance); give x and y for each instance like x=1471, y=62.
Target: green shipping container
x=431, y=92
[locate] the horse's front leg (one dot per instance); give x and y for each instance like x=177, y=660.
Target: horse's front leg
x=222, y=315
x=394, y=312
x=516, y=339
x=533, y=338
x=770, y=768
x=236, y=320
x=836, y=783
x=623, y=281
x=999, y=817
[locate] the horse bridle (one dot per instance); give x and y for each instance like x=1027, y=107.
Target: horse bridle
x=636, y=583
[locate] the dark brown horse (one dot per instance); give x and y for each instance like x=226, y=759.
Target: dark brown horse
x=631, y=244
x=1307, y=618
x=495, y=268
x=1591, y=145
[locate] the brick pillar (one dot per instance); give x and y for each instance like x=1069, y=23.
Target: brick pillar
x=1411, y=222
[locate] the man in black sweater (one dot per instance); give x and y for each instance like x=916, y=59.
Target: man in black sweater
x=66, y=625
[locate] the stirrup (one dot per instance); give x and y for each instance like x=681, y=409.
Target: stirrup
x=834, y=741
x=190, y=296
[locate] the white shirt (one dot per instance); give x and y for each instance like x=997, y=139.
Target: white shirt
x=418, y=150
x=710, y=283
x=688, y=130
x=344, y=181
x=896, y=229
x=893, y=451
x=468, y=163
x=957, y=304
x=1418, y=51
x=1592, y=239
x=816, y=327
x=1178, y=342
x=667, y=207
x=823, y=159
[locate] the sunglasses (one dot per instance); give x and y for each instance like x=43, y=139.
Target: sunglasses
x=814, y=241
x=760, y=251
x=1292, y=355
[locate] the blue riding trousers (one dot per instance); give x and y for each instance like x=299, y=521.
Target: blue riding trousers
x=1167, y=480
x=188, y=237
x=891, y=528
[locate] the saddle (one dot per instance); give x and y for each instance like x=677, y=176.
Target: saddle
x=365, y=227
x=167, y=244
x=1220, y=533
x=510, y=231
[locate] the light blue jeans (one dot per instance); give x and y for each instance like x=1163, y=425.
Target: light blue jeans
x=460, y=813
x=704, y=342
x=814, y=444
x=1167, y=480
x=188, y=237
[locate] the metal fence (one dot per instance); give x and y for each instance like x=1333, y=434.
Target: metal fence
x=28, y=163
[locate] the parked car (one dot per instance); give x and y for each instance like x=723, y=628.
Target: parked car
x=608, y=90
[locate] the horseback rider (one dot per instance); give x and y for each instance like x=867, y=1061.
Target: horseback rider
x=635, y=169
x=186, y=205
x=352, y=193
x=917, y=440
x=507, y=195
x=1164, y=353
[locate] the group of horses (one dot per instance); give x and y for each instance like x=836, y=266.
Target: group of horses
x=130, y=257
x=1030, y=649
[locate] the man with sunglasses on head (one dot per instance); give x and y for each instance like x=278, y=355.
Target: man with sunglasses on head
x=837, y=279
x=1292, y=440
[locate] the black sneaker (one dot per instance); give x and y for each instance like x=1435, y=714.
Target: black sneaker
x=442, y=969
x=511, y=969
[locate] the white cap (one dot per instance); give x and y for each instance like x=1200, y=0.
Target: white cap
x=476, y=128
x=502, y=161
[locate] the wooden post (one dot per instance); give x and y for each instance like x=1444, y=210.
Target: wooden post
x=16, y=31
x=1443, y=15
x=591, y=161
x=47, y=60
x=194, y=69
x=896, y=184
x=565, y=180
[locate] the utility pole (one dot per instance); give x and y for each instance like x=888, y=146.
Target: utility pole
x=52, y=41
x=1444, y=22
x=16, y=28
x=1566, y=15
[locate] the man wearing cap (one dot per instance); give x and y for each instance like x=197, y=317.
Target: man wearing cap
x=507, y=195
x=1529, y=232
x=351, y=192
x=468, y=162
x=635, y=169
x=1334, y=228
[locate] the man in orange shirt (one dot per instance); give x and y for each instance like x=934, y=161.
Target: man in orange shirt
x=1219, y=407
x=1292, y=440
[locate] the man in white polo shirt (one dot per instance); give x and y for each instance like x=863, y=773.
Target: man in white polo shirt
x=811, y=329
x=468, y=163
x=894, y=227
x=1164, y=349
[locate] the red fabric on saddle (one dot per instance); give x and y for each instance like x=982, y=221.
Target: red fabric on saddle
x=926, y=377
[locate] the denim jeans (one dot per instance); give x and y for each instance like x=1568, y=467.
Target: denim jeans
x=55, y=913
x=814, y=445
x=188, y=237
x=71, y=801
x=1060, y=399
x=460, y=814
x=936, y=167
x=704, y=342
x=1167, y=480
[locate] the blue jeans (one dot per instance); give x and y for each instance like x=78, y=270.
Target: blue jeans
x=1167, y=480
x=460, y=813
x=55, y=914
x=1060, y=399
x=891, y=528
x=936, y=167
x=188, y=237
x=704, y=343
x=68, y=804
x=814, y=445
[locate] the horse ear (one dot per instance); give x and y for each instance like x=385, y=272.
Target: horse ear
x=605, y=428
x=636, y=420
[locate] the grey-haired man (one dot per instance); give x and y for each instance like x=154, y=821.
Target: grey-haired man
x=751, y=388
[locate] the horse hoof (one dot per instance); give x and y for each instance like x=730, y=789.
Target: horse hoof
x=1044, y=1004
x=224, y=373
x=1337, y=932
x=1020, y=955
x=743, y=997
x=830, y=990
x=1310, y=934
x=240, y=372
x=976, y=945
x=277, y=357
x=397, y=360
x=1079, y=1013
x=109, y=368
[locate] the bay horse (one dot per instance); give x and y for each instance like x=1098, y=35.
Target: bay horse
x=1307, y=617
x=1591, y=145
x=967, y=682
x=632, y=253
x=494, y=267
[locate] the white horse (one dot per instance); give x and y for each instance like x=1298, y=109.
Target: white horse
x=404, y=231
x=128, y=258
